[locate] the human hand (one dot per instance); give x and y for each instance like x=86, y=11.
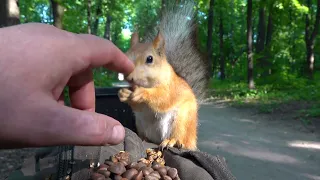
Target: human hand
x=37, y=61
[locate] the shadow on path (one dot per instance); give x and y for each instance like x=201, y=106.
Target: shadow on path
x=256, y=149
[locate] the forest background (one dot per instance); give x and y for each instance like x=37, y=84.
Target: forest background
x=264, y=54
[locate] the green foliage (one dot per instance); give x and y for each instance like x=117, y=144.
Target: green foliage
x=272, y=93
x=279, y=79
x=102, y=78
x=35, y=11
x=271, y=89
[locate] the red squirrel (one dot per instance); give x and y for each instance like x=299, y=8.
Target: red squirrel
x=168, y=82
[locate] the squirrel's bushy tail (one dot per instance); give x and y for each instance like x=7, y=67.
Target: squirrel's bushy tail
x=178, y=26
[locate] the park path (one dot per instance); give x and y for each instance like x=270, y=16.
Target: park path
x=258, y=148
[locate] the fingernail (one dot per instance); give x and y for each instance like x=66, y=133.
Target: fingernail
x=118, y=133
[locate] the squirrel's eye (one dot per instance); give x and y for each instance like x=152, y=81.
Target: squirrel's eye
x=149, y=59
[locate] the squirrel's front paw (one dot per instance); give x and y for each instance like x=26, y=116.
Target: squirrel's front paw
x=124, y=94
x=137, y=95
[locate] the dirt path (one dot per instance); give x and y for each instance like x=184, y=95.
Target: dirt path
x=257, y=147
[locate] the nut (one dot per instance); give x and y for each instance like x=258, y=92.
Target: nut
x=145, y=161
x=140, y=165
x=162, y=171
x=104, y=172
x=159, y=153
x=149, y=150
x=149, y=177
x=161, y=161
x=132, y=165
x=155, y=174
x=123, y=156
x=155, y=165
x=103, y=166
x=117, y=177
x=138, y=176
x=177, y=178
x=109, y=163
x=117, y=168
x=125, y=163
x=165, y=177
x=113, y=159
x=173, y=172
x=150, y=158
x=129, y=174
x=146, y=170
x=97, y=176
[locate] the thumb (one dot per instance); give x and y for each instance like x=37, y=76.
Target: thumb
x=62, y=125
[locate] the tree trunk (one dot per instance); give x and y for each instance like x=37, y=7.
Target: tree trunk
x=310, y=39
x=210, y=31
x=267, y=57
x=232, y=29
x=89, y=16
x=9, y=13
x=261, y=29
x=222, y=60
x=249, y=44
x=107, y=33
x=57, y=11
x=163, y=6
x=98, y=14
x=116, y=35
x=269, y=27
x=292, y=39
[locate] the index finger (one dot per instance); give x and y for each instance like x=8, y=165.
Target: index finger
x=101, y=52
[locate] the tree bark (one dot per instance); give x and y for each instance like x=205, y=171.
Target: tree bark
x=261, y=29
x=9, y=13
x=249, y=45
x=107, y=33
x=89, y=16
x=310, y=39
x=222, y=60
x=210, y=31
x=269, y=27
x=57, y=11
x=98, y=14
x=266, y=58
x=163, y=6
x=232, y=29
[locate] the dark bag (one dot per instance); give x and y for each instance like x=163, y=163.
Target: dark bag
x=72, y=162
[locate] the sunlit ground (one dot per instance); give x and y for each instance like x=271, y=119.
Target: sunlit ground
x=258, y=148
x=305, y=144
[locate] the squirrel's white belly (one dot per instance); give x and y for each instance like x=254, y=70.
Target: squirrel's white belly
x=154, y=126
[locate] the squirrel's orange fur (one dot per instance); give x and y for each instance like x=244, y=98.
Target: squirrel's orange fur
x=160, y=98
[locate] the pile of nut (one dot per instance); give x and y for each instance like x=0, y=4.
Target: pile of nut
x=119, y=167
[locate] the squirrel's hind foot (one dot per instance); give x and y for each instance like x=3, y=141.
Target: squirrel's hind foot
x=167, y=143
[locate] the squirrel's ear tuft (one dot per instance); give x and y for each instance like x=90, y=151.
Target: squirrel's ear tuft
x=134, y=39
x=158, y=44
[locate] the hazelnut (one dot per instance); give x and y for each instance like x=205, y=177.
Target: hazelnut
x=117, y=168
x=173, y=172
x=129, y=174
x=165, y=177
x=97, y=176
x=138, y=176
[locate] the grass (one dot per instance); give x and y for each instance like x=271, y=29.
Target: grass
x=271, y=94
